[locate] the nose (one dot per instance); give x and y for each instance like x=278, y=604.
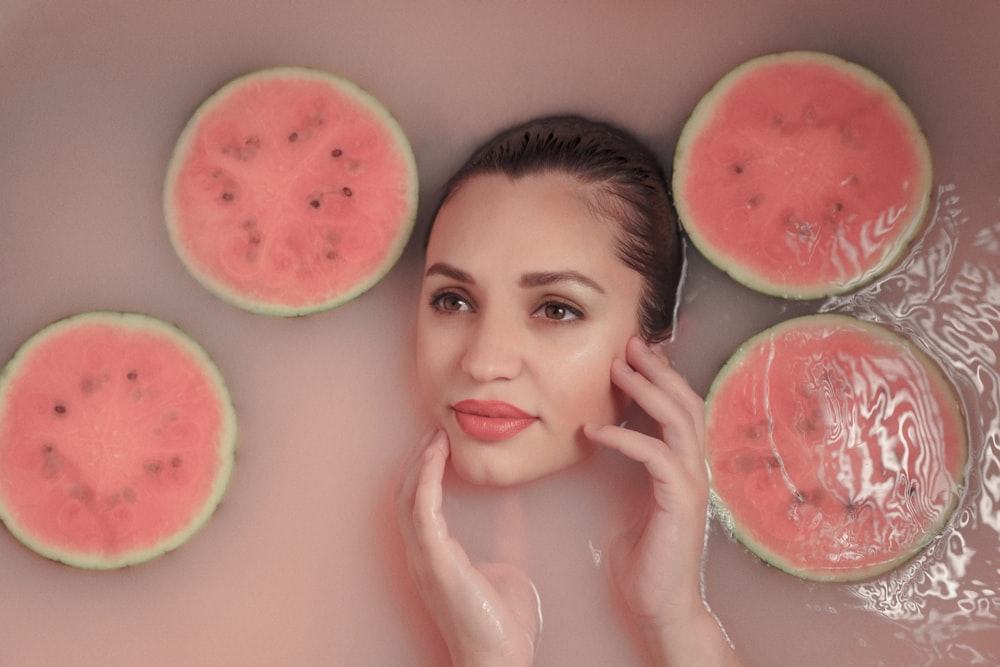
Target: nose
x=492, y=351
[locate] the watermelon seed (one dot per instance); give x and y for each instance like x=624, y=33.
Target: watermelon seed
x=347, y=191
x=738, y=168
x=315, y=203
x=53, y=461
x=153, y=466
x=755, y=201
x=132, y=375
x=331, y=255
x=88, y=385
x=60, y=409
x=336, y=152
x=81, y=492
x=228, y=196
x=293, y=137
x=799, y=496
x=176, y=462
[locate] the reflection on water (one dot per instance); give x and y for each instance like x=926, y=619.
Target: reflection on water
x=948, y=302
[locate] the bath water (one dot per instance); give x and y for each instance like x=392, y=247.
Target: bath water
x=302, y=564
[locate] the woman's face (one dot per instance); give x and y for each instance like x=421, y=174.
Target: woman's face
x=524, y=305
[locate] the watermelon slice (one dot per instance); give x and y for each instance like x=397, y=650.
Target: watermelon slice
x=802, y=175
x=117, y=437
x=837, y=449
x=290, y=191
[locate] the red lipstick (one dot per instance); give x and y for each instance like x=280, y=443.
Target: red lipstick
x=491, y=420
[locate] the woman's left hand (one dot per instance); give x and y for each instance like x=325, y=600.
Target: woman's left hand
x=656, y=564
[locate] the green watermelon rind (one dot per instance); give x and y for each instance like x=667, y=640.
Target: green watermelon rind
x=389, y=125
x=722, y=512
x=732, y=266
x=227, y=441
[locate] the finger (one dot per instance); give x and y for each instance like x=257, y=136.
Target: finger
x=656, y=367
x=409, y=471
x=425, y=464
x=428, y=520
x=663, y=465
x=680, y=427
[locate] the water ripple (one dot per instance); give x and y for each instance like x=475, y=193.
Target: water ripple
x=945, y=297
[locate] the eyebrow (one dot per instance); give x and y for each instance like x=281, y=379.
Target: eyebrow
x=543, y=278
x=528, y=280
x=449, y=271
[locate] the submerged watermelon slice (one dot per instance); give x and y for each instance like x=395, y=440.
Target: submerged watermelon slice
x=290, y=191
x=837, y=449
x=117, y=437
x=802, y=175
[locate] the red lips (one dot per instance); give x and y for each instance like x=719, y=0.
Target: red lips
x=491, y=420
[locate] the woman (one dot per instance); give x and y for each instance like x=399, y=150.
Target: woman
x=551, y=272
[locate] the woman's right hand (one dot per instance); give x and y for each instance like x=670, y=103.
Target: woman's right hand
x=487, y=613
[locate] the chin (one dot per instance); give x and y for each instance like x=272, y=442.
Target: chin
x=494, y=466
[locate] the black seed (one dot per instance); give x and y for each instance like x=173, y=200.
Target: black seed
x=228, y=196
x=176, y=462
x=799, y=497
x=315, y=203
x=132, y=375
x=347, y=191
x=293, y=137
x=336, y=152
x=255, y=239
x=88, y=385
x=60, y=409
x=52, y=461
x=331, y=255
x=738, y=168
x=153, y=466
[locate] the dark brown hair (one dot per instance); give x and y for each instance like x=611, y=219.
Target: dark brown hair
x=628, y=186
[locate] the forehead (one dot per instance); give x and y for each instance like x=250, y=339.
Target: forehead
x=537, y=214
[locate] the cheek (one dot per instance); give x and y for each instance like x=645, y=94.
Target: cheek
x=431, y=360
x=587, y=392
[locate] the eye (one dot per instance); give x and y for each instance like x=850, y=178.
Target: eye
x=558, y=311
x=450, y=302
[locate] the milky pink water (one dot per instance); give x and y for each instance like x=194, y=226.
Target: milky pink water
x=302, y=564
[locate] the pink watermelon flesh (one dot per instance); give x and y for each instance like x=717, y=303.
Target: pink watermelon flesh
x=290, y=191
x=802, y=175
x=116, y=440
x=836, y=448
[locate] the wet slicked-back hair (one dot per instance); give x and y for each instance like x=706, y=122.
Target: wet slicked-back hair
x=625, y=184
